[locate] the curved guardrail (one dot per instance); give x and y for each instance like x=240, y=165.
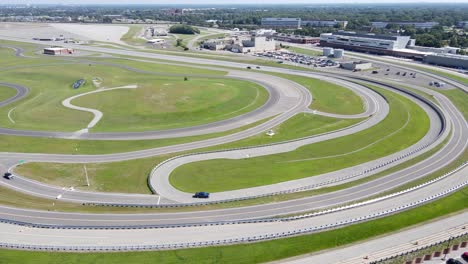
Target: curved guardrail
x=249, y=221
x=249, y=239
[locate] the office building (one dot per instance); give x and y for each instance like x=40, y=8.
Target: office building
x=292, y=23
x=324, y=23
x=419, y=25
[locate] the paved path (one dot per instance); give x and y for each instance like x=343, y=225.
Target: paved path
x=390, y=245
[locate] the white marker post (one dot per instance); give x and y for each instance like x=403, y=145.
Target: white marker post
x=86, y=173
x=159, y=199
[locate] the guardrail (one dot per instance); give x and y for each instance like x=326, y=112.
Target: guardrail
x=249, y=239
x=248, y=221
x=406, y=253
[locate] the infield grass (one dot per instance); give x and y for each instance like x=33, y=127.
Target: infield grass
x=406, y=124
x=6, y=93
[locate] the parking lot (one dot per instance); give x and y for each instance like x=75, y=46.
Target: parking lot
x=293, y=58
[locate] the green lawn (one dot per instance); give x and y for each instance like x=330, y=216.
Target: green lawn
x=165, y=103
x=6, y=93
x=459, y=99
x=329, y=97
x=109, y=176
x=407, y=121
x=49, y=86
x=132, y=35
x=262, y=251
x=305, y=51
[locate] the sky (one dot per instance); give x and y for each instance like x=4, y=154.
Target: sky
x=219, y=2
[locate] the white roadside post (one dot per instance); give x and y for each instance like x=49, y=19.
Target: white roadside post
x=86, y=173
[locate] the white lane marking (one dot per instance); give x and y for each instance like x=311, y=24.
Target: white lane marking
x=9, y=115
x=97, y=114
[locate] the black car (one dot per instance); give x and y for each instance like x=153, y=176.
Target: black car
x=464, y=256
x=453, y=261
x=248, y=67
x=201, y=195
x=8, y=176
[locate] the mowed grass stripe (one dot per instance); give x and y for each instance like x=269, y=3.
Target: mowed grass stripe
x=223, y=175
x=262, y=251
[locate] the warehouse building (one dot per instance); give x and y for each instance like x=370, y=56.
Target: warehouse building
x=418, y=25
x=448, y=60
x=254, y=44
x=324, y=23
x=58, y=51
x=292, y=23
x=371, y=43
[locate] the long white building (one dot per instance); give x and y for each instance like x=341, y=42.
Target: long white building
x=273, y=22
x=420, y=25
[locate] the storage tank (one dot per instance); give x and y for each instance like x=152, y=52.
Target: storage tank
x=327, y=51
x=338, y=53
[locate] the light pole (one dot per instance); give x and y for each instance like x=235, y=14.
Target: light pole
x=448, y=247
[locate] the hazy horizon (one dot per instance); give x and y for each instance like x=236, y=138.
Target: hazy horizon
x=225, y=2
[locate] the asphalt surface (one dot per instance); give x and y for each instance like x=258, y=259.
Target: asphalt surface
x=17, y=234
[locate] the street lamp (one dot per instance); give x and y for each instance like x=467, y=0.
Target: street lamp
x=448, y=247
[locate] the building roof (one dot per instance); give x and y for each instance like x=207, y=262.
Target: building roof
x=284, y=19
x=371, y=36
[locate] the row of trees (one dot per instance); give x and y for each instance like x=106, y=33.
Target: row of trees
x=184, y=29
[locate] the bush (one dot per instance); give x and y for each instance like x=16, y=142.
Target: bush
x=183, y=29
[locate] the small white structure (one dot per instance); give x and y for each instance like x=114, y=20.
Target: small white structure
x=356, y=65
x=338, y=53
x=270, y=133
x=327, y=51
x=156, y=41
x=58, y=51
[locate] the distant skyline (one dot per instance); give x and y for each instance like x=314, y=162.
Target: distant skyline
x=224, y=2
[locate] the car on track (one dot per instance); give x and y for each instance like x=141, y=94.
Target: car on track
x=464, y=256
x=201, y=195
x=8, y=176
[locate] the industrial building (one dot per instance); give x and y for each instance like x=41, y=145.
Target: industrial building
x=418, y=25
x=58, y=51
x=254, y=44
x=324, y=23
x=292, y=23
x=296, y=39
x=448, y=60
x=371, y=43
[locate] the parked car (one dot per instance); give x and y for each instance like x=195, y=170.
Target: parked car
x=201, y=195
x=248, y=67
x=8, y=176
x=464, y=256
x=375, y=72
x=258, y=67
x=453, y=261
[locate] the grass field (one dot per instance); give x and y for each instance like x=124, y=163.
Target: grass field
x=42, y=109
x=262, y=251
x=406, y=124
x=329, y=97
x=131, y=37
x=459, y=99
x=166, y=103
x=6, y=93
x=109, y=177
x=305, y=51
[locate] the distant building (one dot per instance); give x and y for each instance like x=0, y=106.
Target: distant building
x=449, y=60
x=356, y=65
x=156, y=41
x=296, y=39
x=254, y=44
x=463, y=24
x=420, y=25
x=292, y=23
x=324, y=23
x=58, y=51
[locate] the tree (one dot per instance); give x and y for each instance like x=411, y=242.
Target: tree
x=183, y=29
